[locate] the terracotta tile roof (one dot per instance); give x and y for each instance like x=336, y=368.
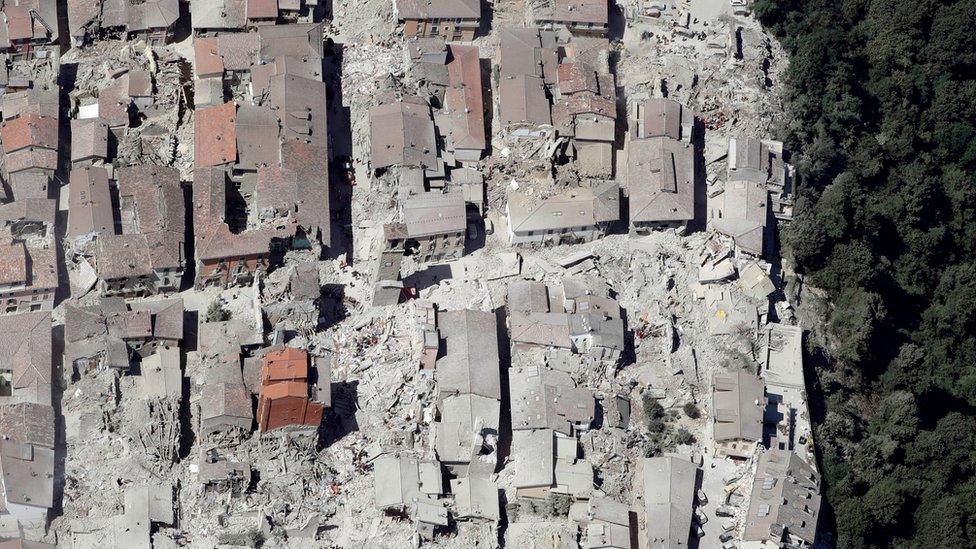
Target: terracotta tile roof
x=310, y=163
x=157, y=200
x=262, y=9
x=28, y=423
x=81, y=13
x=29, y=130
x=464, y=99
x=214, y=135
x=207, y=60
x=217, y=242
x=577, y=11
x=284, y=364
x=114, y=101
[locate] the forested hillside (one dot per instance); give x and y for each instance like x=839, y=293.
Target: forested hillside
x=882, y=116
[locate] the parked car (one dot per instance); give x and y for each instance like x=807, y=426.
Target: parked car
x=726, y=536
x=724, y=511
x=702, y=498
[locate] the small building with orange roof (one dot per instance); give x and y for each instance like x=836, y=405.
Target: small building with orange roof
x=285, y=391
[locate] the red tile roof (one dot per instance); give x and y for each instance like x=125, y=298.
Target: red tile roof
x=214, y=136
x=29, y=130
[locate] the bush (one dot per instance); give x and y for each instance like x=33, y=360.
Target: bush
x=683, y=436
x=691, y=410
x=216, y=312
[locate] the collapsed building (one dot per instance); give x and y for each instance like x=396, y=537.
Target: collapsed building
x=152, y=21
x=112, y=332
x=138, y=249
x=572, y=317
x=759, y=183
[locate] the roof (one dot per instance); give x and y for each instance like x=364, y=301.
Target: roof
x=238, y=50
x=256, y=129
x=32, y=158
x=568, y=207
x=438, y=9
x=28, y=473
x=475, y=497
x=13, y=263
x=114, y=101
x=402, y=133
x=152, y=14
x=575, y=11
x=262, y=9
x=538, y=328
x=225, y=399
x=218, y=14
x=660, y=180
x=660, y=117
x=121, y=256
x=738, y=401
x=89, y=138
x=206, y=57
x=215, y=136
x=434, y=213
x=463, y=98
x=25, y=349
x=783, y=357
x=28, y=423
x=81, y=13
x=167, y=316
x=396, y=481
x=745, y=210
x=300, y=105
x=29, y=130
x=537, y=394
x=284, y=364
x=534, y=454
x=528, y=296
x=528, y=52
x=89, y=202
x=152, y=196
x=669, y=494
x=302, y=40
x=470, y=364
x=522, y=100
x=785, y=498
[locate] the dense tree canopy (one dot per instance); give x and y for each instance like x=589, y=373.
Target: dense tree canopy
x=882, y=117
